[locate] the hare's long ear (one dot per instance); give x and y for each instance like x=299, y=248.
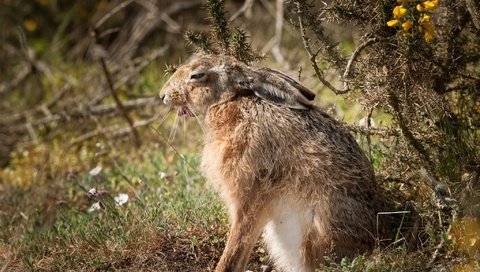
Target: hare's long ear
x=278, y=88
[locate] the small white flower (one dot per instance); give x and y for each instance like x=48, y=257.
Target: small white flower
x=121, y=199
x=95, y=171
x=92, y=192
x=162, y=175
x=95, y=206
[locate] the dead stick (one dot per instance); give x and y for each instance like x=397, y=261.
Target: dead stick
x=91, y=111
x=111, y=88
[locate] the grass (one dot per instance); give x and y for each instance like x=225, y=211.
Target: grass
x=171, y=221
x=169, y=210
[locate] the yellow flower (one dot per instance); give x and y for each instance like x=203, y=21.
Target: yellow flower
x=428, y=36
x=393, y=23
x=399, y=11
x=424, y=18
x=407, y=25
x=427, y=27
x=431, y=5
x=30, y=25
x=420, y=8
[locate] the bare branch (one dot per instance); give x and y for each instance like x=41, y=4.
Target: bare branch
x=473, y=8
x=113, y=93
x=20, y=77
x=112, y=12
x=383, y=132
x=93, y=111
x=278, y=32
x=354, y=55
x=247, y=5
x=312, y=58
x=113, y=131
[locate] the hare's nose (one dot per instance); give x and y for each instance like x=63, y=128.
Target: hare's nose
x=165, y=98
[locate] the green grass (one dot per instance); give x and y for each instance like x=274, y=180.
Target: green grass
x=167, y=201
x=171, y=221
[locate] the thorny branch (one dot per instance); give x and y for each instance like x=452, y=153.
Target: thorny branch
x=383, y=132
x=313, y=60
x=355, y=54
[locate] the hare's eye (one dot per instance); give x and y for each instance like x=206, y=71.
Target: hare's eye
x=197, y=76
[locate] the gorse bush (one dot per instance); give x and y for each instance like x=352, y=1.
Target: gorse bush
x=418, y=61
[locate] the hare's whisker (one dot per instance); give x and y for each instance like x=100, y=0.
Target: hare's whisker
x=184, y=129
x=173, y=130
x=164, y=117
x=197, y=119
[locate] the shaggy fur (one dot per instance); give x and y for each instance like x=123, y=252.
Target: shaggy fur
x=282, y=166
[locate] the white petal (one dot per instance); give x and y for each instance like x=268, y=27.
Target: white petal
x=92, y=191
x=95, y=206
x=162, y=175
x=95, y=171
x=121, y=199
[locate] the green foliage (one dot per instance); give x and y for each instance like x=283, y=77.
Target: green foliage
x=219, y=26
x=235, y=44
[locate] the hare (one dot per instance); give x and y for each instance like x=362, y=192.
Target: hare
x=281, y=165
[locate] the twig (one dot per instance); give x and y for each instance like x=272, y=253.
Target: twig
x=354, y=56
x=416, y=144
x=312, y=57
x=153, y=10
x=112, y=12
x=278, y=32
x=19, y=78
x=114, y=130
x=247, y=5
x=142, y=62
x=93, y=111
x=114, y=94
x=473, y=8
x=147, y=20
x=384, y=132
x=35, y=66
x=388, y=213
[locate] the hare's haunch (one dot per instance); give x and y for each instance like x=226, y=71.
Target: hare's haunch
x=282, y=166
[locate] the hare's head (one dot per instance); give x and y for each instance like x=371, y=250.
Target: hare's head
x=213, y=79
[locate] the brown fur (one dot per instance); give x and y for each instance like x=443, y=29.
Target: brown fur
x=270, y=147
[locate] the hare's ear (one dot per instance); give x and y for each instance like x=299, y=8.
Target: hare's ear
x=280, y=89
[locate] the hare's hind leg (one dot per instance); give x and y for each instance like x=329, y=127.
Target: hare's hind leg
x=247, y=223
x=285, y=236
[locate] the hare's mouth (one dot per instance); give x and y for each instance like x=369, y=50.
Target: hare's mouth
x=184, y=110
